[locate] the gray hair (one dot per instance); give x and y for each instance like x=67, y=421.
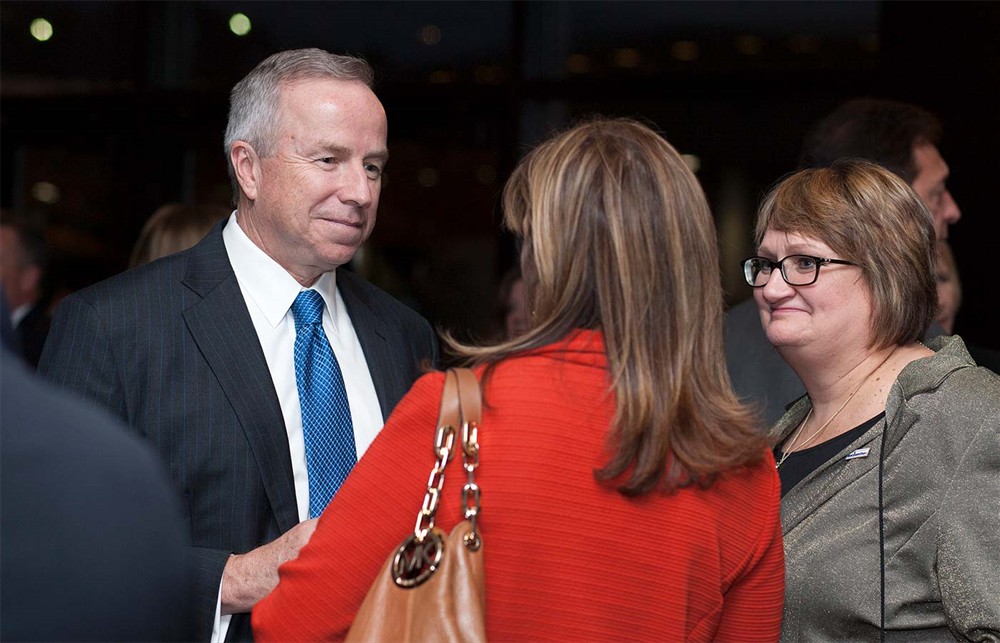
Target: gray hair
x=253, y=103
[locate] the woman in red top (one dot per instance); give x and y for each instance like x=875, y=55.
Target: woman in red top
x=626, y=494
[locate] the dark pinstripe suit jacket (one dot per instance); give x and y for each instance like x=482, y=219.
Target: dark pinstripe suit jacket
x=171, y=348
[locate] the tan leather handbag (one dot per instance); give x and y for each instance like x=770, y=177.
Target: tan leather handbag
x=432, y=588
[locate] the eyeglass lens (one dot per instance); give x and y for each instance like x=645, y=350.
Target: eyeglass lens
x=797, y=270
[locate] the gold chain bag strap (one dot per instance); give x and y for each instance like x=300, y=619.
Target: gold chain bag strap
x=431, y=588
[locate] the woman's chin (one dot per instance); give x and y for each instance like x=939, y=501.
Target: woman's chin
x=780, y=335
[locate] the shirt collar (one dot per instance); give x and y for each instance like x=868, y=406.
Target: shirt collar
x=20, y=313
x=271, y=288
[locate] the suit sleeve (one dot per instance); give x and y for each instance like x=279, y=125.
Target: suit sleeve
x=968, y=551
x=423, y=342
x=79, y=356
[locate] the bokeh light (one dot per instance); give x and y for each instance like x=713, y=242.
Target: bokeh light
x=239, y=24
x=41, y=29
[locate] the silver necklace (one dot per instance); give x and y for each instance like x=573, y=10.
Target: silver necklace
x=798, y=431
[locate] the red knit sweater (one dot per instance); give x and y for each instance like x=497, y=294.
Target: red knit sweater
x=566, y=558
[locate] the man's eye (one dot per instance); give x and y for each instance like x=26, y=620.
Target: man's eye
x=327, y=160
x=374, y=171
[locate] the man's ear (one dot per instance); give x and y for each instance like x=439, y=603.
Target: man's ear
x=246, y=167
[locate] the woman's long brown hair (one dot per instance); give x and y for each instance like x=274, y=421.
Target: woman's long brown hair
x=618, y=237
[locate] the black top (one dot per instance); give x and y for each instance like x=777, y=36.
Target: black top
x=800, y=464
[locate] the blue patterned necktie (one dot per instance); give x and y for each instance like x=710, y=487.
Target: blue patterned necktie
x=326, y=415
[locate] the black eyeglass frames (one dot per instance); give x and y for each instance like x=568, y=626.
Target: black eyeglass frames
x=796, y=270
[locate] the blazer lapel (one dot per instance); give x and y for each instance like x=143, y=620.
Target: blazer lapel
x=224, y=332
x=802, y=499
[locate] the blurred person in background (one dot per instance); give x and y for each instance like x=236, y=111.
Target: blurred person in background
x=889, y=465
x=900, y=137
x=8, y=336
x=511, y=312
x=949, y=289
x=658, y=519
x=23, y=258
x=174, y=227
x=92, y=543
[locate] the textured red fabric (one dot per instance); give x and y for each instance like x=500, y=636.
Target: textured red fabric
x=566, y=558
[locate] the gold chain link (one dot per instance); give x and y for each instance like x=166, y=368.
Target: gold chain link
x=470, y=491
x=444, y=442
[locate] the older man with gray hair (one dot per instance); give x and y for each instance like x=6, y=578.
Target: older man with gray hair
x=257, y=368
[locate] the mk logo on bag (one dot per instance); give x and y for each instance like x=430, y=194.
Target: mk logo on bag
x=453, y=607
x=417, y=560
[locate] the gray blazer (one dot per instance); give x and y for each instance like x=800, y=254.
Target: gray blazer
x=171, y=349
x=940, y=515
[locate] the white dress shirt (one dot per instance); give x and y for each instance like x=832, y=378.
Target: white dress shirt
x=269, y=291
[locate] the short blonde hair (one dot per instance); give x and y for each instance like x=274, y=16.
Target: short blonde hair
x=174, y=227
x=869, y=216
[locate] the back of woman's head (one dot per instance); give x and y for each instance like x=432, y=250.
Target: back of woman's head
x=618, y=237
x=617, y=232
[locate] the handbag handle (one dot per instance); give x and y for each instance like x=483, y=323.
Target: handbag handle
x=471, y=411
x=461, y=412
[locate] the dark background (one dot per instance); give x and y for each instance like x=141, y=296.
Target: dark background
x=124, y=109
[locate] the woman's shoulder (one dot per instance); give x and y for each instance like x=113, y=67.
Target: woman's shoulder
x=750, y=488
x=951, y=369
x=955, y=385
x=744, y=506
x=744, y=499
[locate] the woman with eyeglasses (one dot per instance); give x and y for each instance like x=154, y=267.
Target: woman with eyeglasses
x=890, y=465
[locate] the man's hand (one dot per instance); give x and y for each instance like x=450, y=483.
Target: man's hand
x=249, y=577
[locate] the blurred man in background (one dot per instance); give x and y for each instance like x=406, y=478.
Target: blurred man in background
x=23, y=256
x=92, y=544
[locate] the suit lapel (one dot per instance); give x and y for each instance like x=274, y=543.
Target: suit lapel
x=373, y=336
x=224, y=332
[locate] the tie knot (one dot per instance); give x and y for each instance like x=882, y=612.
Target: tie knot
x=307, y=309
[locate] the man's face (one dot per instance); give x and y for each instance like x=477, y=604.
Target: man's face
x=929, y=184
x=314, y=200
x=948, y=289
x=18, y=280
